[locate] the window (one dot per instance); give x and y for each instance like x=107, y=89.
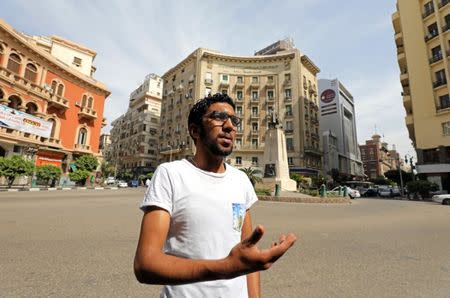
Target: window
x=270, y=110
x=270, y=94
x=84, y=101
x=270, y=79
x=290, y=144
x=238, y=160
x=224, y=91
x=429, y=8
x=14, y=63
x=239, y=127
x=255, y=126
x=255, y=143
x=444, y=101
x=54, y=86
x=240, y=80
x=289, y=127
x=254, y=111
x=255, y=95
x=254, y=80
x=436, y=54
x=432, y=30
x=31, y=72
x=82, y=136
x=287, y=77
x=288, y=110
x=290, y=161
x=447, y=22
x=254, y=160
x=224, y=78
x=31, y=108
x=52, y=133
x=238, y=142
x=208, y=76
x=239, y=110
x=287, y=93
x=60, y=91
x=239, y=94
x=440, y=78
x=207, y=91
x=77, y=61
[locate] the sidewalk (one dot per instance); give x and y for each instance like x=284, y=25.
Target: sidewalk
x=27, y=188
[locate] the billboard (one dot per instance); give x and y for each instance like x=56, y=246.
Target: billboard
x=21, y=121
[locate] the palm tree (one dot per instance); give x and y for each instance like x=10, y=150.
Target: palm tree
x=252, y=174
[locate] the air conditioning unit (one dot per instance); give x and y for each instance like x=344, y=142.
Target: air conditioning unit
x=77, y=104
x=48, y=88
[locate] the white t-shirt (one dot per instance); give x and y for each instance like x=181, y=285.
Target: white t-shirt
x=207, y=212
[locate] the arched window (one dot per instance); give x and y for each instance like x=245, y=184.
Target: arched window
x=82, y=136
x=60, y=91
x=14, y=63
x=2, y=94
x=90, y=102
x=54, y=84
x=1, y=54
x=31, y=72
x=14, y=102
x=52, y=134
x=31, y=108
x=84, y=101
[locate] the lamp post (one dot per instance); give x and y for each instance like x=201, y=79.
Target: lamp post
x=410, y=158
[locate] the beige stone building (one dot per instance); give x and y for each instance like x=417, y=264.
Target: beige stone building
x=134, y=136
x=278, y=79
x=422, y=37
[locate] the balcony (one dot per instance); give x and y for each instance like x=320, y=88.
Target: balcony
x=52, y=142
x=255, y=116
x=445, y=27
x=443, y=3
x=240, y=84
x=404, y=78
x=270, y=84
x=435, y=58
x=398, y=37
x=254, y=84
x=82, y=148
x=431, y=35
x=224, y=84
x=400, y=49
x=87, y=113
x=208, y=81
x=289, y=114
x=287, y=98
x=409, y=119
x=287, y=83
x=313, y=151
x=288, y=131
x=58, y=102
x=439, y=83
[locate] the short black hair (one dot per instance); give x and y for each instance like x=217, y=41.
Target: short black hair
x=200, y=108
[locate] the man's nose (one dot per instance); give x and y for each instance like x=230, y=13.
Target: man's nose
x=228, y=125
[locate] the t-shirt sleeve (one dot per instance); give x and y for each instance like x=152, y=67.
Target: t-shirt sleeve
x=159, y=192
x=250, y=195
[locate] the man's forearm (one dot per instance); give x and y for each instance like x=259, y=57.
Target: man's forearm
x=166, y=269
x=253, y=285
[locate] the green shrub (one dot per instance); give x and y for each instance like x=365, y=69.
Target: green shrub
x=48, y=173
x=263, y=192
x=422, y=187
x=15, y=166
x=79, y=176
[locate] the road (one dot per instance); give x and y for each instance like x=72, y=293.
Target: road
x=82, y=243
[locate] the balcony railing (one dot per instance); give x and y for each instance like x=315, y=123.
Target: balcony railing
x=240, y=84
x=287, y=97
x=224, y=83
x=436, y=58
x=208, y=81
x=270, y=83
x=439, y=83
x=82, y=147
x=443, y=3
x=87, y=113
x=431, y=35
x=58, y=102
x=445, y=27
x=287, y=82
x=312, y=150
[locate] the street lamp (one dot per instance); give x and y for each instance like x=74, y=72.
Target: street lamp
x=410, y=158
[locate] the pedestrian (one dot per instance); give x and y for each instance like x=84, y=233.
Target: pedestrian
x=196, y=234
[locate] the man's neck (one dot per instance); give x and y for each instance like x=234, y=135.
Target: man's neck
x=213, y=164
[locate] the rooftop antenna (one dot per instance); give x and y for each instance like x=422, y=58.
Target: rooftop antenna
x=375, y=128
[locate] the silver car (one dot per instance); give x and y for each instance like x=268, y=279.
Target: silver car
x=442, y=199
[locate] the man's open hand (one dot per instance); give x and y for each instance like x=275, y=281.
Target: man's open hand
x=246, y=257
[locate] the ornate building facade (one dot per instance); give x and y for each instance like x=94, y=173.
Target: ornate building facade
x=47, y=81
x=278, y=79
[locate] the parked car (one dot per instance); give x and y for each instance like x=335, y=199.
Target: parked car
x=352, y=193
x=442, y=199
x=110, y=181
x=134, y=183
x=385, y=192
x=122, y=184
x=370, y=192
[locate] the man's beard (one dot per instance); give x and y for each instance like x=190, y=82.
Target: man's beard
x=212, y=146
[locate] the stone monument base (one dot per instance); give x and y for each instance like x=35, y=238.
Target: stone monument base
x=286, y=184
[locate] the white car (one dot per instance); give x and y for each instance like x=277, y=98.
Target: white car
x=352, y=193
x=443, y=199
x=122, y=184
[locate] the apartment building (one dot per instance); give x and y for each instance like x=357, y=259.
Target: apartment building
x=338, y=129
x=375, y=157
x=51, y=107
x=423, y=50
x=278, y=79
x=134, y=135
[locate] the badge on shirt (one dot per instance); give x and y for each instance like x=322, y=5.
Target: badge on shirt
x=238, y=216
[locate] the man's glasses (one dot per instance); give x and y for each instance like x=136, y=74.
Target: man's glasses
x=223, y=117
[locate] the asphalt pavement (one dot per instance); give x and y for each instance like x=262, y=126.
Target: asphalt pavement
x=81, y=244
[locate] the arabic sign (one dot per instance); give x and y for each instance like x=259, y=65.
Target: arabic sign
x=21, y=121
x=328, y=96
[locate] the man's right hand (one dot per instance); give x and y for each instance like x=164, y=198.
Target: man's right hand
x=246, y=257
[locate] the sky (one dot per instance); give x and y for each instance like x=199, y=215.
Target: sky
x=351, y=40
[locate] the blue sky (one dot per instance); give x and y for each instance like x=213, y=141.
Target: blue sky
x=351, y=40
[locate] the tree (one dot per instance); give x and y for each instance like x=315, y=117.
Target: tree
x=107, y=169
x=48, y=173
x=380, y=180
x=252, y=174
x=297, y=178
x=149, y=175
x=86, y=162
x=15, y=166
x=80, y=176
x=393, y=175
x=125, y=175
x=423, y=187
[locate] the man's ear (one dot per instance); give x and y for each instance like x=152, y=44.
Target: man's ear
x=194, y=131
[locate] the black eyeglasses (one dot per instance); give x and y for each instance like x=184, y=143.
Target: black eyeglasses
x=223, y=117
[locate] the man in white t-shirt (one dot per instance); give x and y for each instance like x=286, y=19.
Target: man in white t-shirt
x=196, y=234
